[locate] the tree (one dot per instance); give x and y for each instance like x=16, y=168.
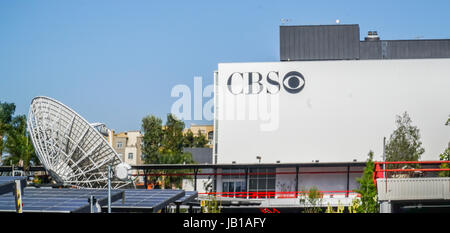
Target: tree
x=312, y=199
x=404, y=143
x=189, y=138
x=173, y=135
x=200, y=140
x=153, y=133
x=19, y=145
x=6, y=114
x=164, y=145
x=367, y=189
x=445, y=156
x=175, y=158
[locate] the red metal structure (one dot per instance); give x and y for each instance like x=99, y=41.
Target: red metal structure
x=384, y=173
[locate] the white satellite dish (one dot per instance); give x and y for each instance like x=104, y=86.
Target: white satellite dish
x=123, y=171
x=73, y=151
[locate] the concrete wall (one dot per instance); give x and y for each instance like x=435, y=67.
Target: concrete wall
x=344, y=109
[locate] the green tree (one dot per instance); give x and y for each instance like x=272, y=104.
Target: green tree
x=19, y=145
x=153, y=133
x=445, y=156
x=6, y=114
x=404, y=143
x=189, y=138
x=172, y=150
x=172, y=141
x=200, y=140
x=175, y=158
x=312, y=199
x=367, y=189
x=164, y=145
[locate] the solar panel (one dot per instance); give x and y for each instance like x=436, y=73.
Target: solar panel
x=58, y=200
x=7, y=183
x=143, y=200
x=188, y=197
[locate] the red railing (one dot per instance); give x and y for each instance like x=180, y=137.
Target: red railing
x=384, y=173
x=267, y=194
x=243, y=174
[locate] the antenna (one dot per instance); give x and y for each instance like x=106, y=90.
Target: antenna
x=284, y=21
x=73, y=151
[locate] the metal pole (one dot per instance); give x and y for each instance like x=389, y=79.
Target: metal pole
x=91, y=203
x=296, y=181
x=384, y=164
x=109, y=188
x=384, y=155
x=348, y=181
x=145, y=179
x=18, y=196
x=246, y=182
x=195, y=179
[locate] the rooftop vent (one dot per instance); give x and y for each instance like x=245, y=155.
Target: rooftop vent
x=372, y=36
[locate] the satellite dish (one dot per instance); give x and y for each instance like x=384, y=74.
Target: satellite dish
x=123, y=171
x=73, y=151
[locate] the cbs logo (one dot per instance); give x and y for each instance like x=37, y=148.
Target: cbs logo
x=254, y=83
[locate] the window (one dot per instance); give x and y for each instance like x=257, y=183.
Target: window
x=119, y=145
x=130, y=155
x=234, y=182
x=210, y=135
x=235, y=187
x=233, y=174
x=264, y=183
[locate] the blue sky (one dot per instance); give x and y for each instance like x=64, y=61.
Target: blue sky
x=117, y=61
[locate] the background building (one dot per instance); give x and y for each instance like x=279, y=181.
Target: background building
x=205, y=130
x=128, y=146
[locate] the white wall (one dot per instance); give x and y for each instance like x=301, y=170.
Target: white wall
x=344, y=110
x=285, y=182
x=324, y=182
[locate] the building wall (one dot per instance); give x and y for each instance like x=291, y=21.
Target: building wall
x=285, y=182
x=322, y=178
x=131, y=142
x=206, y=130
x=342, y=42
x=344, y=109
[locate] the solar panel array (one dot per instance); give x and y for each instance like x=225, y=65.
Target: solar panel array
x=188, y=197
x=57, y=200
x=142, y=200
x=7, y=183
x=76, y=200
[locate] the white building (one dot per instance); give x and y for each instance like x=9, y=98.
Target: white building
x=330, y=100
